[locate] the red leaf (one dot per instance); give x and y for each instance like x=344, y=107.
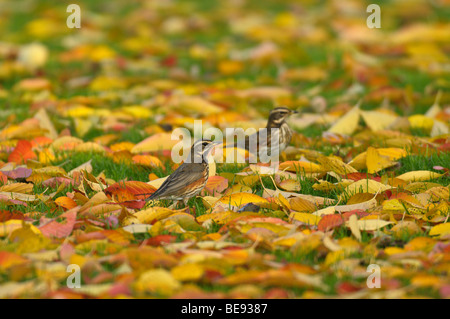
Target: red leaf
x=54, y=182
x=169, y=61
x=7, y=215
x=346, y=287
x=276, y=293
x=212, y=275
x=63, y=229
x=133, y=204
x=444, y=147
x=22, y=153
x=329, y=222
x=9, y=201
x=160, y=239
x=359, y=212
x=357, y=176
x=20, y=172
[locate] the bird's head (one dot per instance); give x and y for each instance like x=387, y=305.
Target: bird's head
x=279, y=115
x=201, y=149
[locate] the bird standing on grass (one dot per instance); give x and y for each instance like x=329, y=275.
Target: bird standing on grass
x=277, y=119
x=189, y=178
x=276, y=125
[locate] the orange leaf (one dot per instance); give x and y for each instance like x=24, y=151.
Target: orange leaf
x=147, y=160
x=22, y=153
x=3, y=179
x=8, y=259
x=329, y=222
x=66, y=202
x=41, y=141
x=216, y=184
x=130, y=190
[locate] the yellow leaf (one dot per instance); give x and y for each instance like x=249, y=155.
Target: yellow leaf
x=46, y=156
x=238, y=199
x=24, y=188
x=335, y=165
x=157, y=142
x=393, y=251
x=90, y=147
x=148, y=216
x=366, y=186
x=354, y=227
x=209, y=201
x=104, y=83
x=29, y=239
x=440, y=230
x=407, y=228
x=79, y=111
x=301, y=167
x=97, y=199
x=388, y=154
x=348, y=123
x=187, y=272
x=186, y=221
x=290, y=185
x=82, y=126
x=417, y=176
x=137, y=111
x=377, y=120
x=66, y=143
x=197, y=104
x=425, y=244
x=334, y=256
x=302, y=205
x=375, y=162
x=426, y=281
x=9, y=226
x=238, y=188
x=325, y=211
x=420, y=121
x=230, y=67
x=305, y=218
x=156, y=183
x=158, y=281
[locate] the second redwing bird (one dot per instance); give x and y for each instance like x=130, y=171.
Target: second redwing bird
x=276, y=124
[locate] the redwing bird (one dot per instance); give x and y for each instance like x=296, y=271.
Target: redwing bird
x=189, y=178
x=276, y=129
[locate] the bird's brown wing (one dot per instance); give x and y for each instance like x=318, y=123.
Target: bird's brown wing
x=185, y=175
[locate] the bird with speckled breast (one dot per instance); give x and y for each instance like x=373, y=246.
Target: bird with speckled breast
x=189, y=179
x=277, y=130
